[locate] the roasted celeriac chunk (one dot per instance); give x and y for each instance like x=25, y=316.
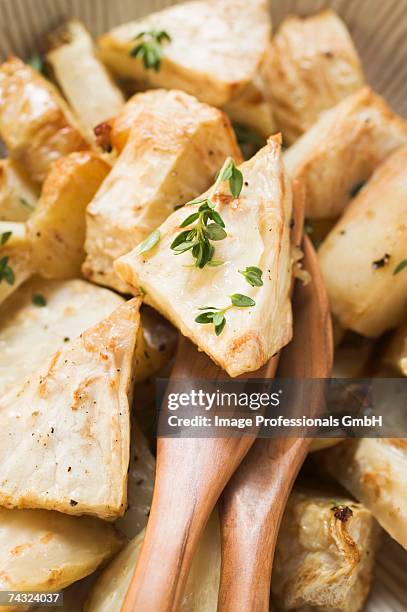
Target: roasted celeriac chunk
x=172, y=153
x=312, y=65
x=82, y=77
x=350, y=361
x=47, y=551
x=252, y=108
x=374, y=470
x=201, y=591
x=18, y=195
x=15, y=257
x=71, y=418
x=57, y=228
x=396, y=354
x=43, y=316
x=163, y=104
x=331, y=557
x=35, y=122
x=214, y=63
x=325, y=553
x=255, y=324
x=360, y=259
x=156, y=344
x=109, y=592
x=342, y=150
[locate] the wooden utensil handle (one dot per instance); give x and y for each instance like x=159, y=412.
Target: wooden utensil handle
x=246, y=573
x=185, y=494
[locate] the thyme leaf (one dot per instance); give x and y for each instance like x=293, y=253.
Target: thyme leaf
x=38, y=299
x=253, y=276
x=400, y=267
x=149, y=48
x=149, y=242
x=4, y=237
x=6, y=272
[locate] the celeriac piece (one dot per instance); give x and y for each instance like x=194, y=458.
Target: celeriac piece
x=342, y=150
x=350, y=360
x=161, y=104
x=325, y=553
x=43, y=316
x=82, y=77
x=31, y=332
x=333, y=557
x=396, y=354
x=312, y=65
x=257, y=225
x=15, y=257
x=201, y=591
x=360, y=257
x=71, y=418
x=35, y=123
x=109, y=591
x=172, y=153
x=374, y=470
x=57, y=228
x=47, y=551
x=252, y=108
x=214, y=63
x=18, y=195
x=156, y=344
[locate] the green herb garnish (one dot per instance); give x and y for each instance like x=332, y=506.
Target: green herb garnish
x=4, y=237
x=36, y=62
x=249, y=141
x=198, y=238
x=253, y=276
x=148, y=243
x=216, y=316
x=6, y=273
x=149, y=48
x=38, y=299
x=400, y=267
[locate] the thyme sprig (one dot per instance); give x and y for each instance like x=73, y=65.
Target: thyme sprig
x=216, y=316
x=4, y=237
x=400, y=267
x=209, y=225
x=149, y=48
x=38, y=299
x=6, y=272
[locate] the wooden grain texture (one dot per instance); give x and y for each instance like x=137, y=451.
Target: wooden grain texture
x=253, y=502
x=191, y=474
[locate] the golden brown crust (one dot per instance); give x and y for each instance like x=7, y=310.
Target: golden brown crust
x=57, y=228
x=342, y=150
x=311, y=66
x=35, y=123
x=171, y=147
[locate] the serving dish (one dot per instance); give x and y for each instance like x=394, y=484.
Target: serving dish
x=379, y=31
